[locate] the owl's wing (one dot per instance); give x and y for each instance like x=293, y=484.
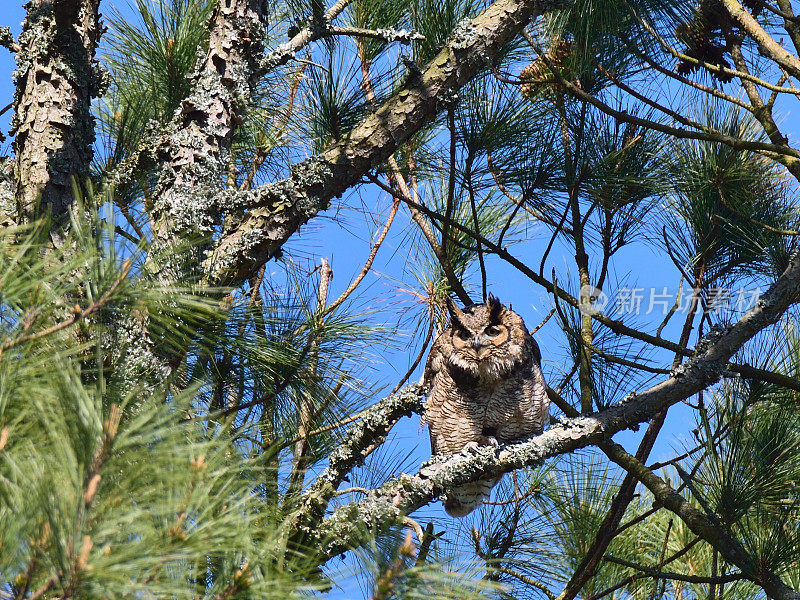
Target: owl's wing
x=434, y=363
x=537, y=353
x=434, y=389
x=536, y=398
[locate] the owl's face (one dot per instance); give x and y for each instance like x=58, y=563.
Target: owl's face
x=488, y=340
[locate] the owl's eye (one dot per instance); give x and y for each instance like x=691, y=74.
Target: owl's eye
x=492, y=331
x=463, y=334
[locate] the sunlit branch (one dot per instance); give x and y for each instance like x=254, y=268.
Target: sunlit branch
x=386, y=35
x=420, y=355
x=756, y=222
x=605, y=355
x=683, y=120
x=768, y=47
x=315, y=31
x=790, y=22
x=375, y=423
x=368, y=264
x=262, y=151
x=527, y=581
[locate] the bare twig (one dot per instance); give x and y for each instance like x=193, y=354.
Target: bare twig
x=656, y=574
x=418, y=359
x=368, y=264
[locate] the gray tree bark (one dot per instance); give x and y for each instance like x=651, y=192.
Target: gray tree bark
x=56, y=78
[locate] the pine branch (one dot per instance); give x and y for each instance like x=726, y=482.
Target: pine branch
x=386, y=35
x=614, y=325
x=783, y=153
x=195, y=153
x=78, y=313
x=407, y=493
x=704, y=525
x=527, y=581
x=710, y=67
x=190, y=159
x=375, y=423
x=277, y=210
x=767, y=46
x=286, y=52
x=522, y=267
x=367, y=264
x=637, y=576
x=656, y=574
x=385, y=584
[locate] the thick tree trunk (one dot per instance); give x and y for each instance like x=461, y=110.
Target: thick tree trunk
x=56, y=79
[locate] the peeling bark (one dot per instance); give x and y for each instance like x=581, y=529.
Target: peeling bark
x=7, y=188
x=56, y=79
x=276, y=211
x=191, y=159
x=400, y=496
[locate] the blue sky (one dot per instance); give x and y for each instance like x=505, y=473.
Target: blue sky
x=342, y=236
x=11, y=15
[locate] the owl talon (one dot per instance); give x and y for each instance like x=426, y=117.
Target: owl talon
x=473, y=446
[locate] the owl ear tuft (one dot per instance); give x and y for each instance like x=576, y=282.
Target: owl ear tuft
x=495, y=308
x=456, y=314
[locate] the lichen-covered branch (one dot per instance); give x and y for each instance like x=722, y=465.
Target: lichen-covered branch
x=56, y=78
x=403, y=36
x=403, y=495
x=370, y=429
x=191, y=158
x=277, y=210
x=286, y=52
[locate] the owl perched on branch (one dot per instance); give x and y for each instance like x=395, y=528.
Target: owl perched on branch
x=485, y=387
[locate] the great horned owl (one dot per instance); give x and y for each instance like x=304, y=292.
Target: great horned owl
x=485, y=386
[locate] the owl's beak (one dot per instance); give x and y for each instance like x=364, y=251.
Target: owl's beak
x=476, y=343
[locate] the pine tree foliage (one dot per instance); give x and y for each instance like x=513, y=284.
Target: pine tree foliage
x=192, y=406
